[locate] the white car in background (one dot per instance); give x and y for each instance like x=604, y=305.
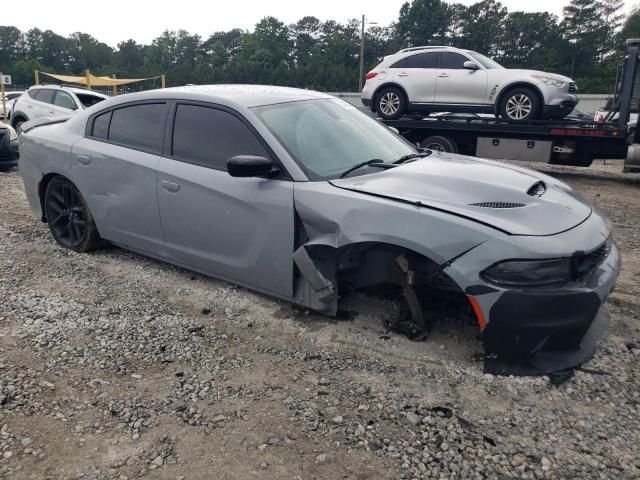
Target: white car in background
x=51, y=101
x=424, y=80
x=9, y=100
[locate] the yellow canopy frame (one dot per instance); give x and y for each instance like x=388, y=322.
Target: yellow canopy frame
x=90, y=80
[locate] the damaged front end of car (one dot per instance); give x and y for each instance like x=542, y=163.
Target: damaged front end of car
x=540, y=301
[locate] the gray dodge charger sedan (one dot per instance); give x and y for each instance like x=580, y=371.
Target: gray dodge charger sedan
x=301, y=196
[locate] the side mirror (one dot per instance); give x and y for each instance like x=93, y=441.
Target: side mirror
x=469, y=65
x=250, y=166
x=394, y=130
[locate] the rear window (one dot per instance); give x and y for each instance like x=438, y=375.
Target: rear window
x=45, y=95
x=419, y=60
x=101, y=125
x=139, y=126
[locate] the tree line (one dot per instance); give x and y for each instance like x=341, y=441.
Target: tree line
x=586, y=43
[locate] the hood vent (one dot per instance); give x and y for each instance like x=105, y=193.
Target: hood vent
x=537, y=189
x=498, y=204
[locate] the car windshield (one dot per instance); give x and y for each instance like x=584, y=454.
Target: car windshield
x=327, y=137
x=486, y=62
x=88, y=100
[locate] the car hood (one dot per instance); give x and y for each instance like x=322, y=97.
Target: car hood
x=461, y=185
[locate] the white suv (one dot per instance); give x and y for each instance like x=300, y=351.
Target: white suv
x=52, y=100
x=422, y=80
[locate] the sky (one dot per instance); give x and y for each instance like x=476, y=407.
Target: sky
x=112, y=21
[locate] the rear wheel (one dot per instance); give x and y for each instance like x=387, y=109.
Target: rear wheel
x=439, y=144
x=520, y=105
x=68, y=216
x=390, y=103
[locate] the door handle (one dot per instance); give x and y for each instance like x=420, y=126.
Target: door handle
x=83, y=159
x=443, y=75
x=51, y=111
x=170, y=186
x=403, y=74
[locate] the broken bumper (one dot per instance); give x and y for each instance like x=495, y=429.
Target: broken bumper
x=534, y=332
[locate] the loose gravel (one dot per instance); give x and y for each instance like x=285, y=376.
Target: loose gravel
x=115, y=366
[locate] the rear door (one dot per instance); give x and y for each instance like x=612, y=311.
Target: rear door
x=41, y=103
x=114, y=167
x=238, y=229
x=457, y=85
x=417, y=75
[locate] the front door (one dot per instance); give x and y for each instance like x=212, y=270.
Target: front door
x=457, y=85
x=237, y=229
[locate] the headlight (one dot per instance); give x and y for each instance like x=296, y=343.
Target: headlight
x=553, y=82
x=13, y=135
x=529, y=273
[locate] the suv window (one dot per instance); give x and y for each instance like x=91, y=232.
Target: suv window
x=211, y=137
x=419, y=60
x=45, y=95
x=452, y=60
x=423, y=60
x=88, y=100
x=64, y=100
x=138, y=126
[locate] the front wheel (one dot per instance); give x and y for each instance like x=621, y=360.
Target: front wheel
x=68, y=216
x=520, y=105
x=390, y=103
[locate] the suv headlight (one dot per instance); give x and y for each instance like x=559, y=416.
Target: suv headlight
x=552, y=82
x=13, y=135
x=529, y=273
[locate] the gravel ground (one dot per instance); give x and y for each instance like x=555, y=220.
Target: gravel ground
x=115, y=366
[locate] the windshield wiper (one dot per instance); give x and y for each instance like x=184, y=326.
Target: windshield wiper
x=375, y=162
x=412, y=156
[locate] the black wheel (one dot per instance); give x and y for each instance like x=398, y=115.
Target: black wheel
x=520, y=105
x=68, y=216
x=439, y=144
x=390, y=103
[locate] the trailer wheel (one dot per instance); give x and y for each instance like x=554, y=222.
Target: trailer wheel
x=439, y=144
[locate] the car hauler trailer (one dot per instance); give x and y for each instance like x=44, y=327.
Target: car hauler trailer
x=567, y=141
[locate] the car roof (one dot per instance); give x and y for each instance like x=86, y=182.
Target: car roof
x=243, y=95
x=76, y=90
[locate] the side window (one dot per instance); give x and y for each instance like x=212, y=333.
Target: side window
x=101, y=126
x=210, y=136
x=138, y=126
x=423, y=60
x=402, y=63
x=452, y=60
x=45, y=95
x=33, y=93
x=64, y=100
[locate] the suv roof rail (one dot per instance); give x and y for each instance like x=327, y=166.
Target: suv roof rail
x=425, y=47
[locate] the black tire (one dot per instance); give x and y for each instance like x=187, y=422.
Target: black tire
x=520, y=105
x=69, y=218
x=390, y=103
x=439, y=144
x=18, y=121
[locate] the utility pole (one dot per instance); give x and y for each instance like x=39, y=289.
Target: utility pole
x=361, y=77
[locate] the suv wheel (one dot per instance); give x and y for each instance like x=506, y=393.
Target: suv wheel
x=520, y=105
x=390, y=103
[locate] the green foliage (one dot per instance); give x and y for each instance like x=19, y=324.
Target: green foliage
x=587, y=43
